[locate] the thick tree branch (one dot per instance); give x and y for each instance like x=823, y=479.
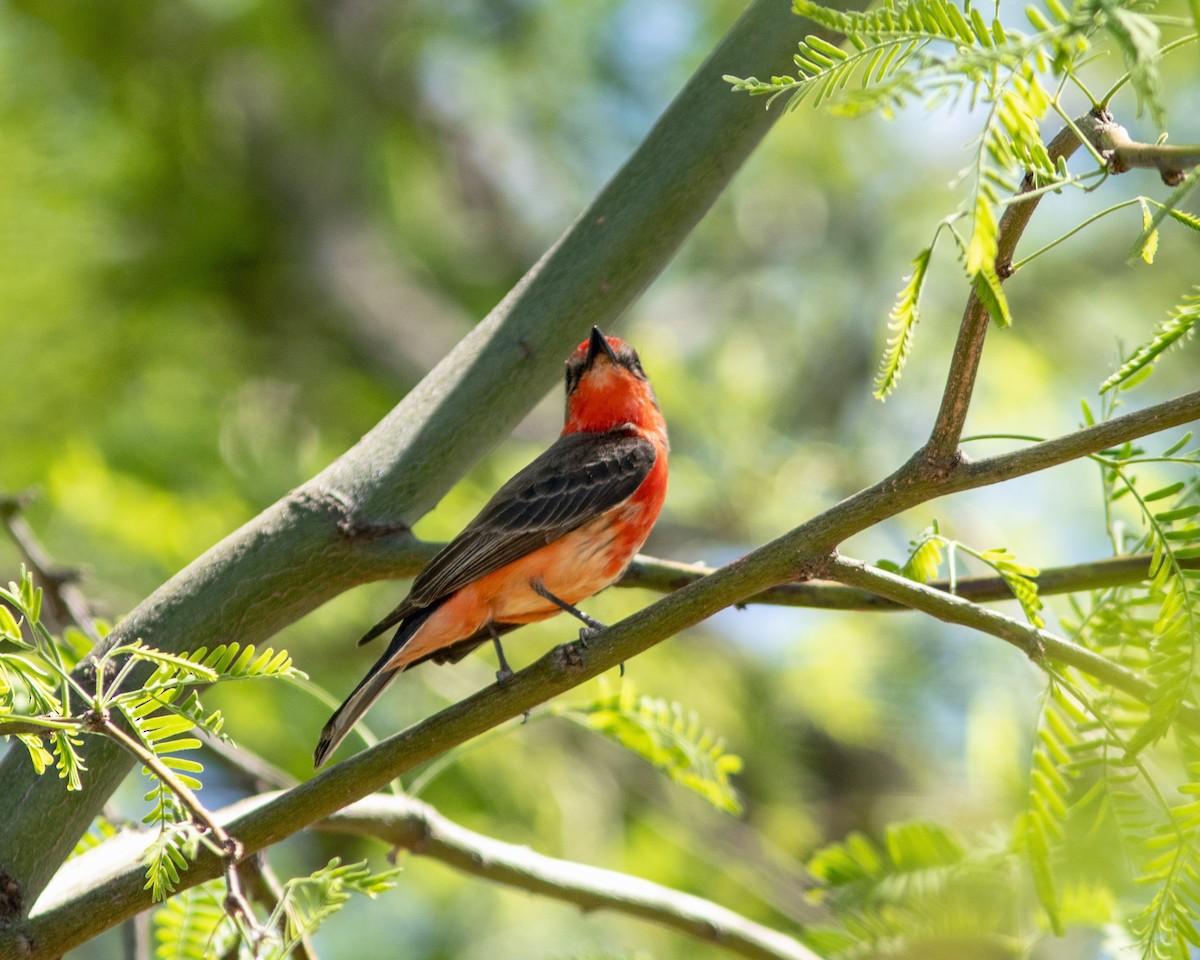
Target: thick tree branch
x=313, y=544
x=941, y=449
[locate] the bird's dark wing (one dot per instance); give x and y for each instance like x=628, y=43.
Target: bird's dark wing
x=581, y=476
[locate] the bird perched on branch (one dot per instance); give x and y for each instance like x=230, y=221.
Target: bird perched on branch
x=562, y=529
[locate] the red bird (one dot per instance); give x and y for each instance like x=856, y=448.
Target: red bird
x=561, y=530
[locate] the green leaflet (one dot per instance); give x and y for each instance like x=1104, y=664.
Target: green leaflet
x=193, y=925
x=307, y=902
x=667, y=736
x=925, y=558
x=1178, y=327
x=902, y=324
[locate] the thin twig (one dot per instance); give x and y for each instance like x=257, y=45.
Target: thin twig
x=67, y=603
x=941, y=450
x=1036, y=643
x=266, y=889
x=663, y=576
x=230, y=849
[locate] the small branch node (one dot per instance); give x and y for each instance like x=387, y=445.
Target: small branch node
x=815, y=567
x=342, y=508
x=11, y=900
x=570, y=657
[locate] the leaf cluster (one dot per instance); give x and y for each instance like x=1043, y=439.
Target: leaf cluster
x=194, y=925
x=666, y=735
x=935, y=52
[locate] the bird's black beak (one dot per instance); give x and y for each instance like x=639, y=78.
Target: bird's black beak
x=597, y=345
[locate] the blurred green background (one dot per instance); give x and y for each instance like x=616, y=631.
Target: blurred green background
x=233, y=233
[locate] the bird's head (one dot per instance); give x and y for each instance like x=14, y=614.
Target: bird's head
x=606, y=386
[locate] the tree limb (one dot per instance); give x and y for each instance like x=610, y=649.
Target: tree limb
x=663, y=576
x=413, y=825
x=408, y=823
x=1037, y=644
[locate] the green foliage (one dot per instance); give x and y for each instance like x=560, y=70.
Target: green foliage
x=1178, y=327
x=1088, y=776
x=923, y=890
x=925, y=560
x=932, y=50
x=903, y=323
x=937, y=52
x=170, y=853
x=1172, y=536
x=164, y=712
x=307, y=902
x=1051, y=775
x=194, y=926
x=665, y=735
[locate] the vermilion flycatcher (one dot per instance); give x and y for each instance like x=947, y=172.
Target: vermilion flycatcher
x=561, y=530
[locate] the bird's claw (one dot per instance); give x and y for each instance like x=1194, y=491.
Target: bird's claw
x=588, y=632
x=503, y=675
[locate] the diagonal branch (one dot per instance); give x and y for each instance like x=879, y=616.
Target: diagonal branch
x=1037, y=644
x=801, y=552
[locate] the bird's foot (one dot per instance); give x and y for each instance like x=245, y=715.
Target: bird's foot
x=593, y=625
x=588, y=632
x=504, y=674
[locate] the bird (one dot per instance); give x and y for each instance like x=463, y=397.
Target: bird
x=562, y=529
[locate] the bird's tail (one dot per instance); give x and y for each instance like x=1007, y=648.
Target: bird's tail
x=378, y=678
